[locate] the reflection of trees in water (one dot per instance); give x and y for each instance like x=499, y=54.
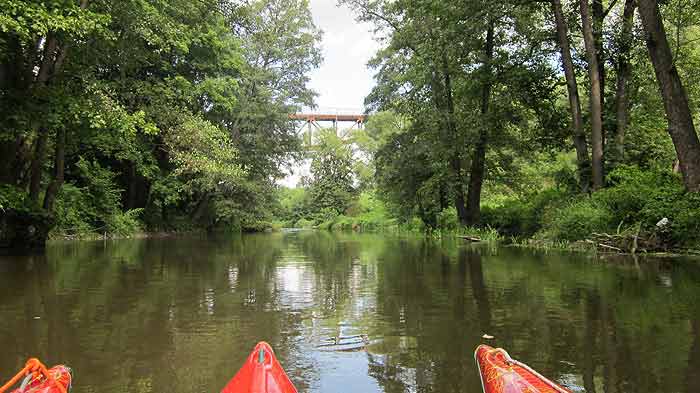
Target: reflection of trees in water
x=422, y=294
x=606, y=328
x=692, y=377
x=476, y=279
x=134, y=315
x=180, y=315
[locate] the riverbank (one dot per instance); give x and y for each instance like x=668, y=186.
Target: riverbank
x=117, y=236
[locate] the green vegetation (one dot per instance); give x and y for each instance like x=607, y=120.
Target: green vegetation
x=481, y=123
x=479, y=126
x=499, y=119
x=117, y=117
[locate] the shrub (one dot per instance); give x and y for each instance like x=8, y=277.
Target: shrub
x=524, y=216
x=634, y=197
x=304, y=223
x=447, y=220
x=577, y=220
x=124, y=223
x=13, y=198
x=645, y=197
x=74, y=212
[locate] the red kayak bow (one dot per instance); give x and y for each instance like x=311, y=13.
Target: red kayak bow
x=502, y=374
x=261, y=373
x=36, y=378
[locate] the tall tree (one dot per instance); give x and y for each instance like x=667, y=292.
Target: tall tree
x=624, y=73
x=579, y=135
x=478, y=168
x=595, y=98
x=675, y=98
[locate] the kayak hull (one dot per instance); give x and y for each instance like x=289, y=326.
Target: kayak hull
x=59, y=381
x=502, y=374
x=261, y=373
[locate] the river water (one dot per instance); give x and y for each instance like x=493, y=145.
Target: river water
x=347, y=313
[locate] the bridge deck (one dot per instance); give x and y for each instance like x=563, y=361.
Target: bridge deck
x=328, y=117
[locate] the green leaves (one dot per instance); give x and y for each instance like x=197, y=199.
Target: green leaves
x=204, y=156
x=331, y=185
x=33, y=19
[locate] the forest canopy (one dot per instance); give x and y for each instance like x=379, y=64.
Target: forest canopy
x=146, y=114
x=562, y=120
x=558, y=120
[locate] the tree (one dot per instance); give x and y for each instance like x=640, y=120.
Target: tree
x=675, y=99
x=595, y=98
x=579, y=135
x=331, y=184
x=446, y=69
x=183, y=104
x=624, y=73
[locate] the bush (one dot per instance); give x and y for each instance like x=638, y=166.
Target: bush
x=304, y=224
x=524, y=216
x=94, y=207
x=124, y=223
x=645, y=197
x=447, y=220
x=577, y=220
x=74, y=212
x=634, y=198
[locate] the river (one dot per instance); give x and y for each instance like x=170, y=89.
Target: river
x=347, y=313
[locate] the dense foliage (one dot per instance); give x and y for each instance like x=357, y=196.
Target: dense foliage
x=485, y=122
x=482, y=119
x=559, y=122
x=157, y=114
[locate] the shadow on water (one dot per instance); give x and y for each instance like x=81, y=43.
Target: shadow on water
x=180, y=315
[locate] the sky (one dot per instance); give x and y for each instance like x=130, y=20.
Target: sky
x=343, y=79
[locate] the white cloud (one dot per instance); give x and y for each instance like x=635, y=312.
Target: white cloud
x=343, y=80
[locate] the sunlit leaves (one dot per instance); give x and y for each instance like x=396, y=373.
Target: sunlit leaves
x=33, y=19
x=204, y=156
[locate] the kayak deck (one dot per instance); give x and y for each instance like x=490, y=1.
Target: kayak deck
x=261, y=373
x=502, y=374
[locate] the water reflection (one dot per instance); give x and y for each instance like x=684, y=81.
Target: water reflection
x=180, y=315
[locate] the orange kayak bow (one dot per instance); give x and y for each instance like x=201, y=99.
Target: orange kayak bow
x=36, y=378
x=502, y=374
x=261, y=373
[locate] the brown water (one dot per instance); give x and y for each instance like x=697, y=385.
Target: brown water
x=180, y=315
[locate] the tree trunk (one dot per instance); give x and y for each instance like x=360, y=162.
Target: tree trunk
x=596, y=98
x=680, y=120
x=37, y=165
x=624, y=72
x=201, y=208
x=42, y=79
x=598, y=19
x=58, y=171
x=131, y=185
x=579, y=136
x=455, y=162
x=478, y=168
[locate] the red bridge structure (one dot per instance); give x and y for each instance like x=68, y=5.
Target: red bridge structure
x=312, y=121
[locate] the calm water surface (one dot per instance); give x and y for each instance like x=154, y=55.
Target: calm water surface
x=180, y=315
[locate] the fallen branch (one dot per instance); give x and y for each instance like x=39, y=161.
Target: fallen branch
x=610, y=247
